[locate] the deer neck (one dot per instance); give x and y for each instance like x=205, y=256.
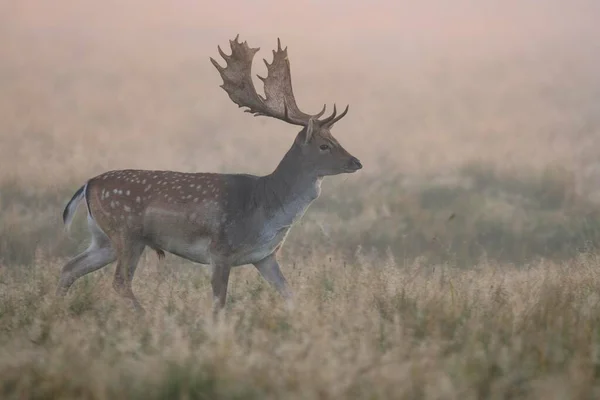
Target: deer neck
x=288, y=191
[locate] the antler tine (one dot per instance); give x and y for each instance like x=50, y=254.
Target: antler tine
x=216, y=64
x=331, y=117
x=222, y=53
x=336, y=119
x=320, y=113
x=279, y=101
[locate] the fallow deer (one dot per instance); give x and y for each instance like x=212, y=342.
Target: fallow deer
x=223, y=220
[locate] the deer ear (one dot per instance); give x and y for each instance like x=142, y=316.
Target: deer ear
x=308, y=131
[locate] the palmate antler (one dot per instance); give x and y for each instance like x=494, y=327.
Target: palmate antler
x=279, y=101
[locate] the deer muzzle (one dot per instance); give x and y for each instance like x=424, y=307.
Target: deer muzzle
x=354, y=164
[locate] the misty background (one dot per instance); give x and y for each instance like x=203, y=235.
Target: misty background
x=477, y=122
x=90, y=86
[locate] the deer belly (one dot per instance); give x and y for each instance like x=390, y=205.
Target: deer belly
x=197, y=250
x=178, y=235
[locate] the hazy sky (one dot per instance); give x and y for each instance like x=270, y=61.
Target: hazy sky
x=430, y=83
x=402, y=20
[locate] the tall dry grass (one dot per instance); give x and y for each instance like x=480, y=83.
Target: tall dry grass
x=360, y=330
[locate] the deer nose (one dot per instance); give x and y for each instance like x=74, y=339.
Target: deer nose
x=355, y=163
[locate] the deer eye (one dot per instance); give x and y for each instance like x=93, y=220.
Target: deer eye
x=324, y=147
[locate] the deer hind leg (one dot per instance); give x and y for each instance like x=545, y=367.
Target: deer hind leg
x=128, y=258
x=99, y=254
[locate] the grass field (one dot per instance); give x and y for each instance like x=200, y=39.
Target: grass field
x=361, y=329
x=463, y=262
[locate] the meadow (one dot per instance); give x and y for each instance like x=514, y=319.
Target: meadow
x=463, y=262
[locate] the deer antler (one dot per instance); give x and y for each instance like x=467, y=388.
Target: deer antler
x=279, y=101
x=332, y=119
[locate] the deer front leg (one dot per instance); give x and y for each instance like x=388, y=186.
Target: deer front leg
x=219, y=281
x=270, y=271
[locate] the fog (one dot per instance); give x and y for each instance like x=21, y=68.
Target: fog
x=91, y=86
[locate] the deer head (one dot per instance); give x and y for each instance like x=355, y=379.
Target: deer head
x=315, y=145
